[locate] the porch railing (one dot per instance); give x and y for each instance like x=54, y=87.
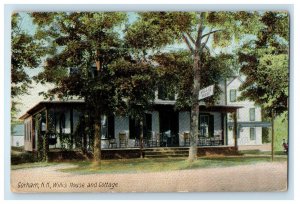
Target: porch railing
x=155, y=140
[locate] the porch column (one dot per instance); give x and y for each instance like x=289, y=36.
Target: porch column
x=71, y=128
x=46, y=141
x=222, y=128
x=235, y=129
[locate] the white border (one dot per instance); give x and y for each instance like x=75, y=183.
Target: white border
x=132, y=6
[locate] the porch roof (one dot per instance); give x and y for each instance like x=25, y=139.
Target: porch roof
x=220, y=108
x=203, y=107
x=44, y=104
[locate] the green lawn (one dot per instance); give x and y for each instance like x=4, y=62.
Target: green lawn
x=32, y=165
x=164, y=164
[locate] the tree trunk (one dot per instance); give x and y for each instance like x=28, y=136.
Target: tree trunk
x=197, y=51
x=235, y=130
x=195, y=108
x=272, y=142
x=141, y=138
x=45, y=147
x=84, y=131
x=97, y=144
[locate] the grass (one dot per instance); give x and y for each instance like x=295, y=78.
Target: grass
x=258, y=152
x=32, y=165
x=163, y=164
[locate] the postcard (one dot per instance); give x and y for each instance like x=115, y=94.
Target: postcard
x=149, y=101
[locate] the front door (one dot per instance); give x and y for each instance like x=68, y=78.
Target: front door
x=168, y=122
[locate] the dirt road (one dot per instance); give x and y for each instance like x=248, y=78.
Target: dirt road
x=258, y=177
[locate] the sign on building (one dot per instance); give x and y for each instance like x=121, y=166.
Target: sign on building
x=206, y=92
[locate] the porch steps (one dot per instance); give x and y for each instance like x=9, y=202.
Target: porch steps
x=161, y=152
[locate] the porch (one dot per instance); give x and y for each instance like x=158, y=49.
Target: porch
x=66, y=128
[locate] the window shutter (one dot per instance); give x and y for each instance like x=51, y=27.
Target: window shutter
x=111, y=127
x=211, y=125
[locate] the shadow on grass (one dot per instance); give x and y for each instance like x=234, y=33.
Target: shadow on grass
x=163, y=164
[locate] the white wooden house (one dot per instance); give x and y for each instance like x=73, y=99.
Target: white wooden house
x=163, y=125
x=249, y=118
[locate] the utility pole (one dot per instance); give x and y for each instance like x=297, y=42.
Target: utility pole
x=272, y=143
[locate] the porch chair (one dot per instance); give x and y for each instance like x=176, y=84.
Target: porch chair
x=122, y=140
x=112, y=143
x=186, y=139
x=153, y=139
x=202, y=140
x=217, y=139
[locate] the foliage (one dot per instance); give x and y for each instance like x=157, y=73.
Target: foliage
x=175, y=72
x=135, y=84
x=26, y=53
x=156, y=30
x=265, y=62
x=24, y=157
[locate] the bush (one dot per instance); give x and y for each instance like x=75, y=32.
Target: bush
x=23, y=157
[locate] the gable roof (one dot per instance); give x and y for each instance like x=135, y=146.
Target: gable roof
x=239, y=77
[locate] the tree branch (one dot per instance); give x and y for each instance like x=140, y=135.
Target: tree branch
x=207, y=38
x=187, y=43
x=211, y=32
x=199, y=33
x=191, y=38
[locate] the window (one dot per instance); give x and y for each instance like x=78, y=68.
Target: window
x=252, y=134
x=165, y=94
x=104, y=126
x=233, y=95
x=252, y=114
x=147, y=123
x=203, y=125
x=206, y=125
x=134, y=128
x=62, y=123
x=107, y=127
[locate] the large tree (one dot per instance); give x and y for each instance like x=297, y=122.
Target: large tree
x=135, y=82
x=156, y=30
x=84, y=44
